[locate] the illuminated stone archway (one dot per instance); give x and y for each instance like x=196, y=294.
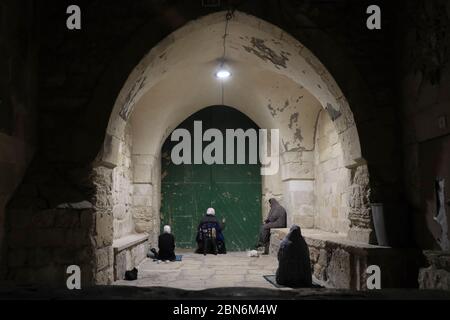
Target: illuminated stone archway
x=279, y=84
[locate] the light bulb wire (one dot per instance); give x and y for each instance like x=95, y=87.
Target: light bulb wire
x=229, y=15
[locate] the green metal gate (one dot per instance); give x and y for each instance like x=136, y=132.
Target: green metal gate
x=234, y=191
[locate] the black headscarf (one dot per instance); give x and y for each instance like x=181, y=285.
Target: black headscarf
x=294, y=269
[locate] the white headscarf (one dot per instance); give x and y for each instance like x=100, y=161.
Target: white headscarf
x=167, y=229
x=211, y=212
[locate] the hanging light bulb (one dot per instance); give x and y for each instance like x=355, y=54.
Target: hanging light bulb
x=223, y=74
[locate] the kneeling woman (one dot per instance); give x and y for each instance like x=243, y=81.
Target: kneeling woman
x=210, y=238
x=166, y=246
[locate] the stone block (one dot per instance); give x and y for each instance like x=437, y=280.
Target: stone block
x=351, y=147
x=104, y=229
x=296, y=171
x=339, y=269
x=143, y=159
x=120, y=265
x=144, y=226
x=142, y=201
x=308, y=156
x=291, y=157
x=360, y=235
x=119, y=212
x=104, y=277
x=111, y=151
x=102, y=258
x=142, y=173
x=143, y=190
x=304, y=221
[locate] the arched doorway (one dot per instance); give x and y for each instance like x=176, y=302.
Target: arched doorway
x=233, y=190
x=279, y=84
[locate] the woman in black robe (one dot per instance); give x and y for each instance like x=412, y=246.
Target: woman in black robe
x=294, y=265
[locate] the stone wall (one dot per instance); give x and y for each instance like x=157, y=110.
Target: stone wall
x=425, y=113
x=123, y=189
x=60, y=217
x=18, y=74
x=332, y=179
x=42, y=244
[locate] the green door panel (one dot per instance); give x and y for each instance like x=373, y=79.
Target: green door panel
x=233, y=190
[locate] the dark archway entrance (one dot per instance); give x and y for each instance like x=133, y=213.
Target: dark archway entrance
x=233, y=190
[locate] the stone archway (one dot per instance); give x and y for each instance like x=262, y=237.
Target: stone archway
x=277, y=82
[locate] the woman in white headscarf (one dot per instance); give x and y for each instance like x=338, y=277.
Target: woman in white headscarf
x=166, y=246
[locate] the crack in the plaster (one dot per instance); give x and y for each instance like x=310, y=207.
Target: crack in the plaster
x=267, y=54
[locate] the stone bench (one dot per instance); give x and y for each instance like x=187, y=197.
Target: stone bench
x=339, y=263
x=129, y=252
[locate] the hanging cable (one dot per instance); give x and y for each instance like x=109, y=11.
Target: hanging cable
x=222, y=73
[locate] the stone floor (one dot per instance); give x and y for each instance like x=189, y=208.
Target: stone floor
x=197, y=272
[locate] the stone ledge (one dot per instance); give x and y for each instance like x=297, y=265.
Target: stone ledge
x=129, y=241
x=340, y=263
x=129, y=252
x=319, y=236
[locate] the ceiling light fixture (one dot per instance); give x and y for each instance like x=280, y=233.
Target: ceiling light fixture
x=223, y=72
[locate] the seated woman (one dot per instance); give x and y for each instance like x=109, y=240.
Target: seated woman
x=294, y=268
x=210, y=238
x=166, y=246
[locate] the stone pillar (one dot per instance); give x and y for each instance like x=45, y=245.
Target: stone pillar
x=297, y=170
x=104, y=219
x=146, y=194
x=359, y=204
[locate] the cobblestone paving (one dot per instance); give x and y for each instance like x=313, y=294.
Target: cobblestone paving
x=198, y=272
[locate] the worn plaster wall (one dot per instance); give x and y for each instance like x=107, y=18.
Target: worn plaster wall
x=332, y=179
